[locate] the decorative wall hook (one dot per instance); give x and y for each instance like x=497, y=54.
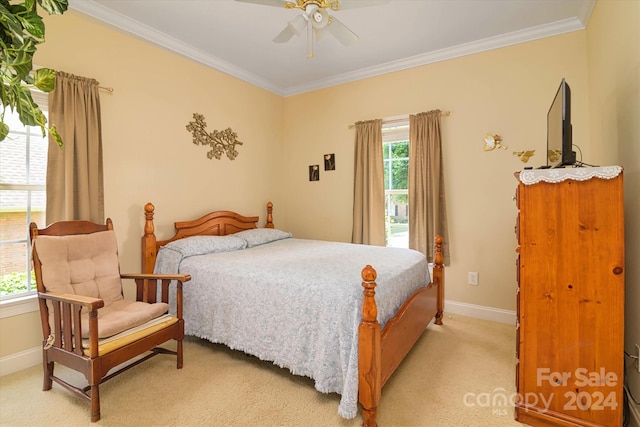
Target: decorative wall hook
x=224, y=141
x=524, y=155
x=493, y=141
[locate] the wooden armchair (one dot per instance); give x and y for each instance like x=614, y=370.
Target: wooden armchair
x=87, y=324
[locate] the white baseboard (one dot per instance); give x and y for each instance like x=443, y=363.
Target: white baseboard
x=28, y=358
x=480, y=312
x=19, y=361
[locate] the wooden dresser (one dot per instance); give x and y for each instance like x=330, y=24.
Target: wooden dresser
x=570, y=264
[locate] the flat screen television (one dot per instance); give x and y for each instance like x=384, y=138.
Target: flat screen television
x=559, y=139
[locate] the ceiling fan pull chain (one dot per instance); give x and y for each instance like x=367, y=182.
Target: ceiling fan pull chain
x=310, y=53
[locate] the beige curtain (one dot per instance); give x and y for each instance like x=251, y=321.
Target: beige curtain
x=368, y=194
x=427, y=207
x=74, y=173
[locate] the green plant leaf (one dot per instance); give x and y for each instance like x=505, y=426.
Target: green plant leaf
x=33, y=24
x=26, y=107
x=54, y=7
x=53, y=132
x=22, y=29
x=11, y=27
x=45, y=79
x=4, y=131
x=41, y=119
x=20, y=60
x=6, y=96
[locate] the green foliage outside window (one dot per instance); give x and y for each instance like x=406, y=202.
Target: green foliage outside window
x=396, y=155
x=13, y=283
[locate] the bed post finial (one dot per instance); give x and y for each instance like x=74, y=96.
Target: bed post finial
x=438, y=257
x=148, y=215
x=369, y=308
x=148, y=241
x=269, y=223
x=369, y=351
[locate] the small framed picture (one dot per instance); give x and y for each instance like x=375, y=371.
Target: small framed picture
x=314, y=173
x=330, y=162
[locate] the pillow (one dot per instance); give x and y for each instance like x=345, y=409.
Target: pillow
x=201, y=245
x=260, y=236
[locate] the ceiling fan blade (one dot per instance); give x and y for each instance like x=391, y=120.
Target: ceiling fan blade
x=353, y=4
x=284, y=35
x=341, y=32
x=276, y=3
x=295, y=27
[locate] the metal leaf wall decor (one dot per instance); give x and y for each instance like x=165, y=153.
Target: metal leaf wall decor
x=220, y=141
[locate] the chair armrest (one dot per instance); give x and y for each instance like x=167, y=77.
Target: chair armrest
x=147, y=287
x=181, y=277
x=88, y=302
x=67, y=309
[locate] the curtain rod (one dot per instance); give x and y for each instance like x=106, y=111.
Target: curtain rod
x=398, y=119
x=108, y=89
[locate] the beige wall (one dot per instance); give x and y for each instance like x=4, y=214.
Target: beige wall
x=149, y=155
x=505, y=91
x=614, y=95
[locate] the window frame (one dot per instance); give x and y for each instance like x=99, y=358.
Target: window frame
x=23, y=302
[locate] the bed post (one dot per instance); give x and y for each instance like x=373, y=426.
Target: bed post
x=438, y=278
x=269, y=223
x=369, y=352
x=148, y=241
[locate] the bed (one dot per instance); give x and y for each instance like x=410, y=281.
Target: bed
x=297, y=302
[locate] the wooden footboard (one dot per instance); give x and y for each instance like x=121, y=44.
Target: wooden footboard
x=381, y=352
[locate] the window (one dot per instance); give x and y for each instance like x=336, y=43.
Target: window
x=23, y=171
x=395, y=140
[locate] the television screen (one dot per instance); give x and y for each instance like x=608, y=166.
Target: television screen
x=559, y=138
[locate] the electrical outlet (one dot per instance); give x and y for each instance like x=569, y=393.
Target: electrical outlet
x=473, y=278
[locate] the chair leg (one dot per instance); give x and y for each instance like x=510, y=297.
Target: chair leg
x=48, y=373
x=95, y=403
x=179, y=354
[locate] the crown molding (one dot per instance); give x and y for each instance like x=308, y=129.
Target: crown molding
x=490, y=43
x=124, y=23
x=158, y=38
x=586, y=8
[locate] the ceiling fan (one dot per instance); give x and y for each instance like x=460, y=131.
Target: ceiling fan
x=315, y=19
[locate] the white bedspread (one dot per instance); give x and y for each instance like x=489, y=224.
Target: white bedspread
x=295, y=302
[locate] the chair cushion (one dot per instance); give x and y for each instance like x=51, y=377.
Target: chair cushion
x=87, y=264
x=83, y=264
x=122, y=315
x=114, y=342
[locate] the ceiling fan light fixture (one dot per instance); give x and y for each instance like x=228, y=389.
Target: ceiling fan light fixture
x=319, y=18
x=315, y=19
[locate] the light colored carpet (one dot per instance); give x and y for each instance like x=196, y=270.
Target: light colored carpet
x=450, y=378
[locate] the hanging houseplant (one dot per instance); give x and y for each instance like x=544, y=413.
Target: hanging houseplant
x=21, y=31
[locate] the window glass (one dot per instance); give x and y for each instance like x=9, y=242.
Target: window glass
x=23, y=171
x=396, y=183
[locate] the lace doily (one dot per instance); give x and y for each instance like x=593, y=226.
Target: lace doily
x=534, y=176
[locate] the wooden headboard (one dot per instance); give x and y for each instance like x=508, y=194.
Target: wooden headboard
x=219, y=223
